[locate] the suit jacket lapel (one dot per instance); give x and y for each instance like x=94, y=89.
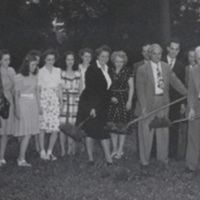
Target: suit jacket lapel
x=164, y=74
x=197, y=79
x=150, y=72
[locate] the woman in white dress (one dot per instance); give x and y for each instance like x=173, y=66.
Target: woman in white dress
x=49, y=80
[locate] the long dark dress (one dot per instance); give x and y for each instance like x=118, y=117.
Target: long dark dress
x=118, y=116
x=97, y=96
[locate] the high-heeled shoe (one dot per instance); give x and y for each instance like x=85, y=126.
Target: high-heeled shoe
x=23, y=163
x=51, y=157
x=43, y=155
x=3, y=162
x=113, y=154
x=119, y=155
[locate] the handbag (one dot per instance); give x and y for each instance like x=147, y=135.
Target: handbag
x=4, y=107
x=4, y=103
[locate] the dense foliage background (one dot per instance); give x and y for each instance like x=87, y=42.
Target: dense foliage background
x=73, y=24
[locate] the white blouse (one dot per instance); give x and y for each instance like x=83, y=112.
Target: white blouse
x=47, y=79
x=105, y=73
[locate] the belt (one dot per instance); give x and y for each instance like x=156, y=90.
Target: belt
x=119, y=90
x=159, y=95
x=28, y=95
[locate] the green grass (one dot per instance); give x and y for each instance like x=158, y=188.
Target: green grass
x=70, y=178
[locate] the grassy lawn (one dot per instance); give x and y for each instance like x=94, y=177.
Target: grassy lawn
x=70, y=178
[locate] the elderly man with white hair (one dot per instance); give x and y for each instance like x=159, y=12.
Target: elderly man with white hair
x=193, y=146
x=152, y=86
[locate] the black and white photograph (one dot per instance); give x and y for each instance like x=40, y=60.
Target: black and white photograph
x=99, y=99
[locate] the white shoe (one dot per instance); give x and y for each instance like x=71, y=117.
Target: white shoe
x=23, y=163
x=2, y=162
x=43, y=155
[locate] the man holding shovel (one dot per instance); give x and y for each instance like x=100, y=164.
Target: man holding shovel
x=152, y=86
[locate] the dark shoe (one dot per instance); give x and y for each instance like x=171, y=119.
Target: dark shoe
x=189, y=171
x=144, y=167
x=109, y=163
x=91, y=163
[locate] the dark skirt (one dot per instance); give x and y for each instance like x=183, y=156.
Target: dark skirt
x=95, y=127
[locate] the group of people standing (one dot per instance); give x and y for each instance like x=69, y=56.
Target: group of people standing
x=104, y=89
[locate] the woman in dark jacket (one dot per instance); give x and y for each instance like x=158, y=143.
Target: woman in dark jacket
x=94, y=102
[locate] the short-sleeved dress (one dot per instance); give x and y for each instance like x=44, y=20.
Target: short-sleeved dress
x=49, y=83
x=8, y=125
x=70, y=94
x=28, y=123
x=118, y=116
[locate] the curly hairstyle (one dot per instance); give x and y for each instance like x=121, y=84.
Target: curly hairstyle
x=101, y=49
x=67, y=53
x=85, y=50
x=120, y=54
x=25, y=67
x=4, y=52
x=49, y=52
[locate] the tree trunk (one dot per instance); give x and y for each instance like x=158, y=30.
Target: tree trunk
x=165, y=21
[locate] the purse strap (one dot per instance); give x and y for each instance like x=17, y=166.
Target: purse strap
x=1, y=84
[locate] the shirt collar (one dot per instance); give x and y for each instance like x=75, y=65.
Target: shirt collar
x=169, y=59
x=99, y=66
x=155, y=64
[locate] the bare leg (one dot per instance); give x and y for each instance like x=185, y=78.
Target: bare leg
x=52, y=142
x=114, y=139
x=106, y=148
x=122, y=139
x=89, y=146
x=41, y=143
x=41, y=140
x=71, y=146
x=37, y=145
x=4, y=142
x=62, y=143
x=23, y=147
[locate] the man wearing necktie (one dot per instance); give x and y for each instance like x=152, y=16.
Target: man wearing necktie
x=173, y=49
x=152, y=86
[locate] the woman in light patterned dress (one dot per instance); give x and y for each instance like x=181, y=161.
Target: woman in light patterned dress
x=27, y=106
x=49, y=79
x=71, y=91
x=7, y=127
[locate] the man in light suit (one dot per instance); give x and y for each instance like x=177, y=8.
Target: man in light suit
x=152, y=86
x=193, y=147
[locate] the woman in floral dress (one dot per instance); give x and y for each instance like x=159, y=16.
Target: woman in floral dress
x=122, y=90
x=70, y=92
x=49, y=80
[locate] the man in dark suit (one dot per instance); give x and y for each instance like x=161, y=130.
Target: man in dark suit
x=152, y=86
x=173, y=49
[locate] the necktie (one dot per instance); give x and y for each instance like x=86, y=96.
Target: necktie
x=171, y=63
x=160, y=83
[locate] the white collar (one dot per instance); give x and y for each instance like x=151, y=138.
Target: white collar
x=99, y=66
x=169, y=59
